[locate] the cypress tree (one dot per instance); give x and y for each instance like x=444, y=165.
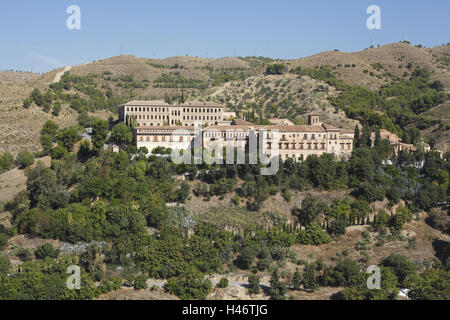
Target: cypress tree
x=357, y=137
x=296, y=281
x=309, y=278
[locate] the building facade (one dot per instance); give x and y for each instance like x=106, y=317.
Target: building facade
x=288, y=141
x=301, y=141
x=396, y=143
x=159, y=113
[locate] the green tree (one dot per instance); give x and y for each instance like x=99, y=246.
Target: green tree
x=6, y=162
x=401, y=266
x=223, y=283
x=248, y=255
x=50, y=128
x=58, y=152
x=297, y=280
x=309, y=211
x=140, y=283
x=402, y=215
x=27, y=103
x=37, y=97
x=68, y=137
x=432, y=284
x=99, y=135
x=190, y=286
x=121, y=135
x=309, y=277
x=381, y=221
x=276, y=69
x=253, y=282
x=346, y=273
x=313, y=235
x=4, y=264
x=47, y=143
x=46, y=250
x=85, y=149
x=56, y=109
x=277, y=288
x=25, y=159
x=183, y=192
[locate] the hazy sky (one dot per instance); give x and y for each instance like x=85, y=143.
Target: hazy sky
x=34, y=35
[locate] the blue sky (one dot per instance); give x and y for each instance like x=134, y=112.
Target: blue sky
x=34, y=36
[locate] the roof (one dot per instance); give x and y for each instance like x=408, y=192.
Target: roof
x=241, y=122
x=228, y=127
x=165, y=104
x=173, y=128
x=246, y=127
x=146, y=103
x=278, y=121
x=330, y=128
x=201, y=104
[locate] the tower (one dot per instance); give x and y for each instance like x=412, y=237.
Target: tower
x=313, y=119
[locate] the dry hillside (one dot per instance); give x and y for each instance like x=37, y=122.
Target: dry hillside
x=393, y=58
x=236, y=82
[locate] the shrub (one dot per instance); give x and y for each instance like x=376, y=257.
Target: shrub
x=313, y=235
x=25, y=159
x=223, y=283
x=140, y=282
x=46, y=250
x=276, y=69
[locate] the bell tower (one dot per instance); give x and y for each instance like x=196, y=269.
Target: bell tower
x=313, y=119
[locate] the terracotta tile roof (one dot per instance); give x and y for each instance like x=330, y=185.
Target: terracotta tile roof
x=163, y=103
x=296, y=128
x=240, y=122
x=173, y=128
x=330, y=128
x=147, y=103
x=228, y=127
x=200, y=104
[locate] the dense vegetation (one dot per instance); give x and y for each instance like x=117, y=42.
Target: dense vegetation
x=401, y=102
x=97, y=196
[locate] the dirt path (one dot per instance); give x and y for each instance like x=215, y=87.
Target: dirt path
x=61, y=73
x=220, y=90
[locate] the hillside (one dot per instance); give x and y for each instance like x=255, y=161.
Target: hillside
x=384, y=62
x=239, y=83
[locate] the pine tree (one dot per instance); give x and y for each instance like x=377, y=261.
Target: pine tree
x=253, y=282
